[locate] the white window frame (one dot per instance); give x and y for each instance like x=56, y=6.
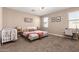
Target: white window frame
x=74, y=20
x=45, y=22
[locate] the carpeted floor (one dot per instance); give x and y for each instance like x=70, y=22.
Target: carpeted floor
x=47, y=44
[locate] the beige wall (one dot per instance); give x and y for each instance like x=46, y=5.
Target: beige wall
x=58, y=27
x=14, y=18
x=1, y=18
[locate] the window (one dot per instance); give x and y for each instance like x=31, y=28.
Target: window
x=45, y=22
x=74, y=19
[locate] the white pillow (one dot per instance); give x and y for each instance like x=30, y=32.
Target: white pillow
x=31, y=28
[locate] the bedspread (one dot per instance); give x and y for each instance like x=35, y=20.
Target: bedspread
x=35, y=34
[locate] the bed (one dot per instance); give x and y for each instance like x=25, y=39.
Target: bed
x=33, y=35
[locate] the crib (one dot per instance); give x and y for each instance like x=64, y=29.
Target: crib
x=7, y=35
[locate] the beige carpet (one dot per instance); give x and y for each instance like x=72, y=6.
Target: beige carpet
x=47, y=44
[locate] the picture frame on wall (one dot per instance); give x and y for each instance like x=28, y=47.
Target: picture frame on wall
x=28, y=20
x=52, y=19
x=58, y=18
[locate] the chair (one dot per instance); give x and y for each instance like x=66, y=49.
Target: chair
x=68, y=33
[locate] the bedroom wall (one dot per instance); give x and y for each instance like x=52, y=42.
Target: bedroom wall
x=1, y=18
x=57, y=28
x=14, y=18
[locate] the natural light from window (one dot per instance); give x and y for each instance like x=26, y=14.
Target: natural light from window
x=74, y=19
x=45, y=22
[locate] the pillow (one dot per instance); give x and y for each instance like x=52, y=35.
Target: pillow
x=31, y=28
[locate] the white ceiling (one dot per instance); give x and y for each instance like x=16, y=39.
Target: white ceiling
x=37, y=11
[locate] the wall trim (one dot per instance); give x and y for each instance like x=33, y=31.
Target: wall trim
x=56, y=35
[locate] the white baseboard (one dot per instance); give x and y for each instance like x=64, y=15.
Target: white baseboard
x=56, y=35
